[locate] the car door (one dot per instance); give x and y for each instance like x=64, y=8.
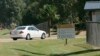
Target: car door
x=37, y=34
x=32, y=32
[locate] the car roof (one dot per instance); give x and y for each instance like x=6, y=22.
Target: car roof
x=27, y=26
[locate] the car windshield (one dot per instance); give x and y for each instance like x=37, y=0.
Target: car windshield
x=20, y=28
x=35, y=28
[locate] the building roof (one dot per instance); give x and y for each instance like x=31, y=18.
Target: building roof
x=92, y=5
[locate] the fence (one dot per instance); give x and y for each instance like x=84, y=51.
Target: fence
x=43, y=26
x=93, y=33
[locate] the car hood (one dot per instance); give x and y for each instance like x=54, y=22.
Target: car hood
x=41, y=30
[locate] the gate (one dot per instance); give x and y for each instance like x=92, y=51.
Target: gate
x=43, y=26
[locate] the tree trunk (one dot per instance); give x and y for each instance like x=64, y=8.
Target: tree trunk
x=49, y=25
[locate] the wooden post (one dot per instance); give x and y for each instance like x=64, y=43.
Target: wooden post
x=49, y=29
x=66, y=42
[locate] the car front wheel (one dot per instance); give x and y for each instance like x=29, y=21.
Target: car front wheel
x=28, y=37
x=14, y=38
x=43, y=36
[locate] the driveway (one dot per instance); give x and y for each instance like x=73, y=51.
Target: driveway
x=81, y=35
x=11, y=40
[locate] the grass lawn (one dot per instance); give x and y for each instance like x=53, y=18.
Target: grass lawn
x=75, y=47
x=4, y=33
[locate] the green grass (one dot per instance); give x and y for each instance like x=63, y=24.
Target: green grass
x=4, y=33
x=75, y=47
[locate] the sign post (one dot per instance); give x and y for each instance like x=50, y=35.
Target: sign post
x=66, y=42
x=66, y=31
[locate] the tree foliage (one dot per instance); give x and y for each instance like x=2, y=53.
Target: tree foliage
x=11, y=11
x=37, y=11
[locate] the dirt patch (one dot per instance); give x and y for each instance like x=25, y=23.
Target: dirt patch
x=6, y=40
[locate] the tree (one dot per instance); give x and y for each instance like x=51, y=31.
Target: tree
x=31, y=15
x=11, y=11
x=50, y=14
x=37, y=11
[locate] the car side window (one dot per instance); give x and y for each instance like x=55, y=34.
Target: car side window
x=30, y=28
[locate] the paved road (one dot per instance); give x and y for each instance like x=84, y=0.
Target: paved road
x=82, y=35
x=11, y=40
x=53, y=37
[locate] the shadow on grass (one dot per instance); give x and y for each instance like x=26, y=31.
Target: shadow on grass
x=67, y=54
x=29, y=52
x=5, y=33
x=85, y=46
x=75, y=53
x=25, y=55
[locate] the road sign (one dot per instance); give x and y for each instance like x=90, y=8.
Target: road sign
x=66, y=31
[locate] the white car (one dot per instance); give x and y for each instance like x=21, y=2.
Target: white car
x=27, y=32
